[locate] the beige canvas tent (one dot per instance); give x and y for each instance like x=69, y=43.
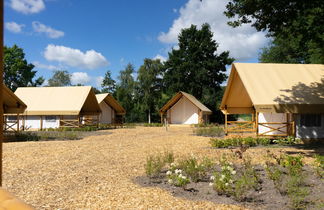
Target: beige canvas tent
x=12, y=107
x=53, y=107
x=112, y=111
x=284, y=99
x=184, y=108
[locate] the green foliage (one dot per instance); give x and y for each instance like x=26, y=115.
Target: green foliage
x=296, y=192
x=17, y=72
x=296, y=27
x=215, y=131
x=150, y=85
x=235, y=142
x=197, y=68
x=319, y=165
x=176, y=178
x=223, y=180
x=294, y=164
x=155, y=163
x=108, y=84
x=195, y=169
x=152, y=124
x=60, y=78
x=290, y=140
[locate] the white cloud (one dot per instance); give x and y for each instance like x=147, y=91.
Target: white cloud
x=80, y=78
x=27, y=6
x=98, y=81
x=243, y=42
x=162, y=58
x=44, y=66
x=74, y=57
x=50, y=32
x=14, y=27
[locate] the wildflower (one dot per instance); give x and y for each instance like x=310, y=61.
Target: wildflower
x=168, y=172
x=233, y=172
x=226, y=184
x=172, y=164
x=230, y=181
x=170, y=181
x=223, y=176
x=230, y=163
x=184, y=177
x=212, y=178
x=211, y=184
x=229, y=168
x=178, y=171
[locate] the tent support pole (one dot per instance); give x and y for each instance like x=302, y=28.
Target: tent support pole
x=257, y=123
x=226, y=124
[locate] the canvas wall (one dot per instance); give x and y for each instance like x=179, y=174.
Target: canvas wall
x=183, y=112
x=107, y=114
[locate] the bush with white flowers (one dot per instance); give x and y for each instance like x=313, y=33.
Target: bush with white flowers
x=223, y=181
x=176, y=177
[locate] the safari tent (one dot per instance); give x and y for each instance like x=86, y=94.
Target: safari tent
x=12, y=107
x=112, y=111
x=184, y=108
x=54, y=107
x=283, y=99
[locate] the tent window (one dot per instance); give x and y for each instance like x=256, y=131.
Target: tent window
x=310, y=120
x=12, y=118
x=50, y=118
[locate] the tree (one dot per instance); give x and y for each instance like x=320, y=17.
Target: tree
x=125, y=91
x=60, y=78
x=296, y=24
x=196, y=68
x=17, y=71
x=108, y=84
x=150, y=86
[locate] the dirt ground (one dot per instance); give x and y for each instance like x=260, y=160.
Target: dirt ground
x=98, y=171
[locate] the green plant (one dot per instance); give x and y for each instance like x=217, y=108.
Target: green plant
x=176, y=178
x=155, y=163
x=294, y=164
x=296, y=192
x=212, y=131
x=290, y=140
x=238, y=141
x=195, y=169
x=319, y=165
x=152, y=124
x=223, y=180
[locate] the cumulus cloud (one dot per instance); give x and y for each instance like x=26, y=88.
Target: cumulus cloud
x=74, y=57
x=243, y=42
x=50, y=32
x=27, y=6
x=162, y=58
x=39, y=65
x=14, y=27
x=80, y=78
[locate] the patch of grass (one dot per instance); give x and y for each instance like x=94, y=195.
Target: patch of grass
x=214, y=131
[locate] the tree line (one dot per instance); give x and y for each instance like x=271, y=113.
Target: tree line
x=195, y=66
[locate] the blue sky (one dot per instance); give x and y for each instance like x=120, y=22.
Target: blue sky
x=89, y=37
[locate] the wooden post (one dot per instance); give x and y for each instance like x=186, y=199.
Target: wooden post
x=226, y=124
x=23, y=121
x=17, y=122
x=166, y=124
x=1, y=87
x=41, y=122
x=257, y=123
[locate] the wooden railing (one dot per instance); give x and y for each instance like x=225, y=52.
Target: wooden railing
x=240, y=126
x=281, y=128
x=69, y=123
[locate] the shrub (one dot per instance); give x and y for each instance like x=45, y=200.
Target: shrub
x=155, y=163
x=238, y=141
x=194, y=169
x=296, y=192
x=153, y=124
x=290, y=140
x=214, y=131
x=224, y=179
x=26, y=136
x=176, y=178
x=294, y=164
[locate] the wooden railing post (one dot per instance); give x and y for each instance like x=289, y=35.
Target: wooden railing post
x=257, y=123
x=226, y=131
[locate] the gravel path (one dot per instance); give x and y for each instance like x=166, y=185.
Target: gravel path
x=97, y=172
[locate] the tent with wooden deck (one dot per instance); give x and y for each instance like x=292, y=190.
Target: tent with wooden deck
x=283, y=99
x=184, y=108
x=53, y=107
x=12, y=107
x=112, y=111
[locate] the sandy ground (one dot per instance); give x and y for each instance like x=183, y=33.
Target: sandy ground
x=97, y=172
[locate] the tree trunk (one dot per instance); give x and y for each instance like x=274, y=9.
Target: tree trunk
x=149, y=117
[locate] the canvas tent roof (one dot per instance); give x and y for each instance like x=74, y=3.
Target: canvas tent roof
x=59, y=100
x=277, y=88
x=191, y=98
x=111, y=101
x=11, y=103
